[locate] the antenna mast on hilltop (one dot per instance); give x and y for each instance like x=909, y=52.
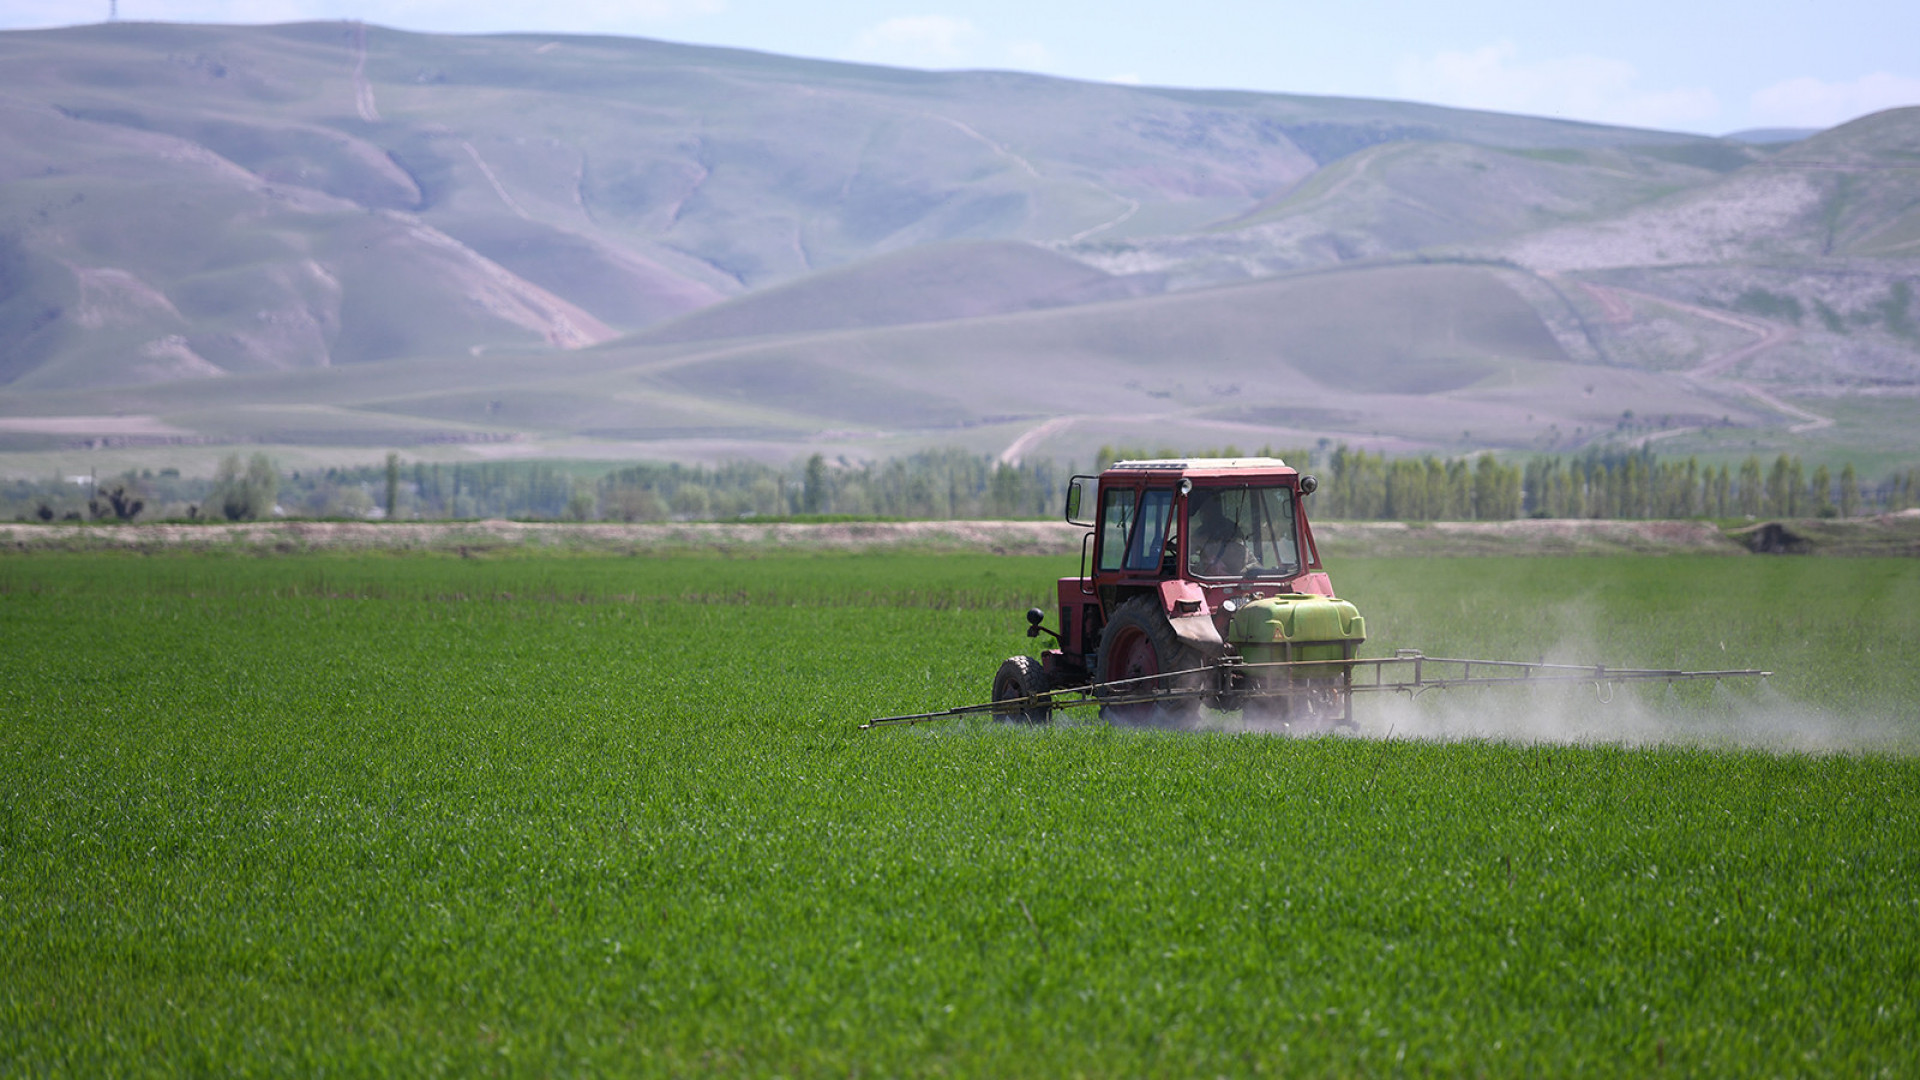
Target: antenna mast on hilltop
x=113, y=10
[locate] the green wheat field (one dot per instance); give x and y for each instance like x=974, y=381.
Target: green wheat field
x=339, y=814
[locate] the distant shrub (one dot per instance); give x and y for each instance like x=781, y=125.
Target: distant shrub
x=1769, y=305
x=244, y=495
x=629, y=503
x=118, y=500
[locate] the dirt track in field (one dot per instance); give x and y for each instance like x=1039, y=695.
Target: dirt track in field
x=1009, y=537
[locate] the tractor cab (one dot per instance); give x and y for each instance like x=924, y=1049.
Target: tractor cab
x=1187, y=561
x=1224, y=524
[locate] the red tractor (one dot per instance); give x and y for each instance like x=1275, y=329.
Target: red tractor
x=1207, y=590
x=1200, y=568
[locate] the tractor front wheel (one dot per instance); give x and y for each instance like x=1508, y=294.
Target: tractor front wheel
x=1021, y=677
x=1139, y=642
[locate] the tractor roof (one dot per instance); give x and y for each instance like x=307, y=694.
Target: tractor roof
x=1199, y=465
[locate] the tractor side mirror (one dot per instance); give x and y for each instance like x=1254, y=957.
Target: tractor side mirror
x=1082, y=494
x=1309, y=485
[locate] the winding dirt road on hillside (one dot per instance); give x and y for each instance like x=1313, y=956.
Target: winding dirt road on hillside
x=1614, y=306
x=1033, y=437
x=362, y=89
x=499, y=189
x=1711, y=373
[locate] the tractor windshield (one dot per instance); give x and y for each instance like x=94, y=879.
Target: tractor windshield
x=1242, y=532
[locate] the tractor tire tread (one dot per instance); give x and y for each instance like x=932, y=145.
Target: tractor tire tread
x=1170, y=654
x=1019, y=677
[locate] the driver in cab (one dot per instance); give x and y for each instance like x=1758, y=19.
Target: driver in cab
x=1218, y=541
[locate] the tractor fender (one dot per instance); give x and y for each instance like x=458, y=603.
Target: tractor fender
x=1188, y=613
x=1316, y=583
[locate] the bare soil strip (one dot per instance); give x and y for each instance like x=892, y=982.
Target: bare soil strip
x=1887, y=534
x=1003, y=537
x=362, y=89
x=468, y=537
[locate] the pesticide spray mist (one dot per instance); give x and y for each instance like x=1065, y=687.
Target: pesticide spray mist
x=1723, y=714
x=1745, y=714
x=1735, y=713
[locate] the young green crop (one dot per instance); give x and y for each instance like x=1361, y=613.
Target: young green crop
x=380, y=815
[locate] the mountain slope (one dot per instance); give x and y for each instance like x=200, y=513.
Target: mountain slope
x=1441, y=357
x=333, y=235
x=1820, y=242
x=1405, y=196
x=931, y=283
x=331, y=193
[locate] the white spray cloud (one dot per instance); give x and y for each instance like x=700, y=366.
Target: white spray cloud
x=1728, y=716
x=1744, y=712
x=1731, y=717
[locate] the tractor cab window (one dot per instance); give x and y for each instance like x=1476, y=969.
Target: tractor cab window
x=1116, y=517
x=1150, y=531
x=1242, y=532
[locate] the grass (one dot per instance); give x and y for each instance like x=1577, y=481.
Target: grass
x=1866, y=431
x=377, y=815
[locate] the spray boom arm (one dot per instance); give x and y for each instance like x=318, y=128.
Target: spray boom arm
x=1407, y=671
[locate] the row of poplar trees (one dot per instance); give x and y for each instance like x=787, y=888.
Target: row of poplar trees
x=954, y=483
x=1358, y=485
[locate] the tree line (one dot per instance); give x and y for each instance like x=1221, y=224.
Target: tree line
x=932, y=484
x=1355, y=484
x=1600, y=484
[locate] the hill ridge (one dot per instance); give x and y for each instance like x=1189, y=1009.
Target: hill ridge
x=410, y=225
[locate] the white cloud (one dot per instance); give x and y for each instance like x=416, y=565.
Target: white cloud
x=592, y=16
x=1808, y=102
x=944, y=41
x=1594, y=88
x=1127, y=78
x=26, y=14
x=917, y=41
x=450, y=16
x=1027, y=53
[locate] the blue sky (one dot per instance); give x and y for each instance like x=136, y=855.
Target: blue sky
x=1708, y=67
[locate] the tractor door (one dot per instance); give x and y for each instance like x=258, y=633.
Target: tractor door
x=1148, y=552
x=1116, y=522
x=1133, y=550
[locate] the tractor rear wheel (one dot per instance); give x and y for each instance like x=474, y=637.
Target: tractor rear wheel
x=1021, y=677
x=1138, y=642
